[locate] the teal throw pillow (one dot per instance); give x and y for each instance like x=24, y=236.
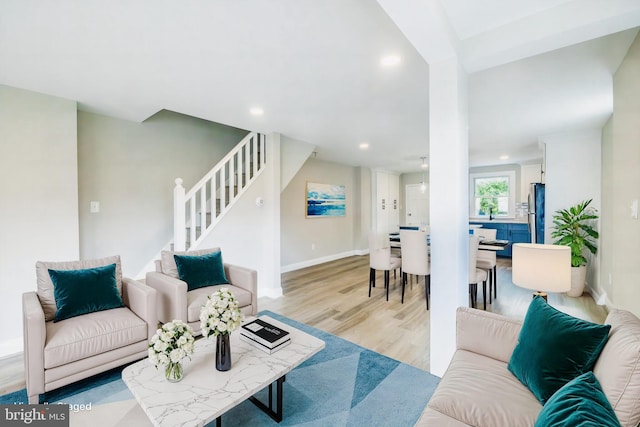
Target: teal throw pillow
x=554, y=348
x=85, y=291
x=200, y=271
x=580, y=402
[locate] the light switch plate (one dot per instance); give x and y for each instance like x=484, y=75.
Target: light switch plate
x=94, y=207
x=634, y=209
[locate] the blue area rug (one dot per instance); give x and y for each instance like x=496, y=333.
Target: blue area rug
x=343, y=385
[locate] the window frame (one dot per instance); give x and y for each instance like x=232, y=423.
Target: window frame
x=510, y=175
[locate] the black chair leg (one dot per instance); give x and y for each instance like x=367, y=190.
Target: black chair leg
x=427, y=288
x=495, y=282
x=386, y=282
x=404, y=282
x=473, y=293
x=372, y=280
x=484, y=294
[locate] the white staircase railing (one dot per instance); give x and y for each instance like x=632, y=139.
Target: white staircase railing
x=197, y=211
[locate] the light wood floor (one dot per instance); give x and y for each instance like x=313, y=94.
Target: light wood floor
x=333, y=297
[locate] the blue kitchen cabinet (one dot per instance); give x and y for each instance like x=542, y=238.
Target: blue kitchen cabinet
x=514, y=233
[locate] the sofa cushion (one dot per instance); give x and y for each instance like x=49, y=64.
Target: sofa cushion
x=200, y=271
x=432, y=418
x=45, y=285
x=94, y=333
x=554, y=348
x=480, y=391
x=79, y=292
x=197, y=298
x=168, y=262
x=580, y=402
x=618, y=368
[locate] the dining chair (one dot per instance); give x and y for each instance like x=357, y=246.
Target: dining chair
x=487, y=260
x=476, y=275
x=380, y=259
x=415, y=259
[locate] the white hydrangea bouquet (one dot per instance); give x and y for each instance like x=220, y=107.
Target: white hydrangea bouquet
x=169, y=346
x=220, y=315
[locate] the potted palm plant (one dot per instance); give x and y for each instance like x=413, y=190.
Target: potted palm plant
x=574, y=227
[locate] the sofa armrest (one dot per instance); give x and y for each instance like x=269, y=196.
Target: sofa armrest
x=485, y=333
x=142, y=301
x=244, y=278
x=172, y=296
x=34, y=336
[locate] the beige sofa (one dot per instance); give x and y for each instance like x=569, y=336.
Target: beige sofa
x=60, y=353
x=478, y=389
x=175, y=302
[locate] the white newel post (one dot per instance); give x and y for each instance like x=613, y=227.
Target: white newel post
x=179, y=226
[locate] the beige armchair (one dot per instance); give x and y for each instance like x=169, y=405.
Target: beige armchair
x=57, y=353
x=176, y=302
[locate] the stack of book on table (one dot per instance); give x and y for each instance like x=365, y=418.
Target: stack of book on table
x=264, y=335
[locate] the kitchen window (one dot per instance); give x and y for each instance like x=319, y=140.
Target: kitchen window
x=492, y=194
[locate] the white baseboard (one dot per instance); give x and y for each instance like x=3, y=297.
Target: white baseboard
x=272, y=293
x=322, y=260
x=600, y=297
x=11, y=347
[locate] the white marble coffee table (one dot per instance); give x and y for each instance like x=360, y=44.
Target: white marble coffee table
x=204, y=394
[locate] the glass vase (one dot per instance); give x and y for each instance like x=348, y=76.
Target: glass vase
x=173, y=372
x=223, y=353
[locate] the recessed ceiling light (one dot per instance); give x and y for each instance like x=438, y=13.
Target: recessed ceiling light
x=504, y=157
x=256, y=111
x=390, y=60
x=364, y=145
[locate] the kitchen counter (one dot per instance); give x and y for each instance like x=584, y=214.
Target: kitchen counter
x=499, y=221
x=515, y=230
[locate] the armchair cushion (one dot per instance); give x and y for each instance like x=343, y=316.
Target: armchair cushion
x=45, y=285
x=84, y=291
x=200, y=271
x=197, y=298
x=168, y=262
x=554, y=348
x=92, y=334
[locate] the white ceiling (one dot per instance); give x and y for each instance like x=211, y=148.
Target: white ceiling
x=536, y=66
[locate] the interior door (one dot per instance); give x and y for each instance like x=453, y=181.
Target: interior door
x=417, y=203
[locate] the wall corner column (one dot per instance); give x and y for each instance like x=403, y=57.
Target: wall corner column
x=448, y=201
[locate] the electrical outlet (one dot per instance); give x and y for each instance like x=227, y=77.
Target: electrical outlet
x=94, y=207
x=313, y=246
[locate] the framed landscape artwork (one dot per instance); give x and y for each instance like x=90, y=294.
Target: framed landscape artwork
x=325, y=200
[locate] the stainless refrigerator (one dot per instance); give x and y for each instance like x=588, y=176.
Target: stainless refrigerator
x=536, y=213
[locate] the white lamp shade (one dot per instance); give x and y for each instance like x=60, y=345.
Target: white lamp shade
x=544, y=268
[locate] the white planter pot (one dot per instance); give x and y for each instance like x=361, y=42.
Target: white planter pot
x=578, y=277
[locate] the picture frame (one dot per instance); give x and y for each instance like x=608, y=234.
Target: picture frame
x=325, y=200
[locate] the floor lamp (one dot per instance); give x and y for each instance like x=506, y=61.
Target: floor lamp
x=541, y=268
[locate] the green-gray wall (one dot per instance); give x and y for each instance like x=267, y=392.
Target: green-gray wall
x=130, y=168
x=330, y=237
x=39, y=197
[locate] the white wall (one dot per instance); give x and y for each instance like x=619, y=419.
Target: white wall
x=293, y=154
x=622, y=178
x=39, y=196
x=130, y=168
x=249, y=234
x=332, y=237
x=573, y=174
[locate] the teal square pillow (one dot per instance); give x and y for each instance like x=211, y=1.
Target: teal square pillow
x=554, y=348
x=200, y=271
x=580, y=402
x=80, y=292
